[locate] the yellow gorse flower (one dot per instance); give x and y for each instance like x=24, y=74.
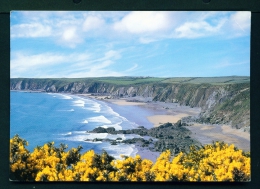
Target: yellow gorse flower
x=214, y=162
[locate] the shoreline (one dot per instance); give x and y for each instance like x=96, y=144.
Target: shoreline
x=172, y=112
x=163, y=112
x=206, y=134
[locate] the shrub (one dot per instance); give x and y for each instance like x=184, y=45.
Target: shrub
x=215, y=162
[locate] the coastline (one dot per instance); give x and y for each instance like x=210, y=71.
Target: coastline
x=162, y=112
x=172, y=112
x=204, y=133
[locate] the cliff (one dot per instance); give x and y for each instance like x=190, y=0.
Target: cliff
x=223, y=100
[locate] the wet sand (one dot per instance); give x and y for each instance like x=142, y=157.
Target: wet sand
x=160, y=112
x=206, y=134
x=158, y=120
x=123, y=102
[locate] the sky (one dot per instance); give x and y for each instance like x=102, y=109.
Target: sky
x=67, y=44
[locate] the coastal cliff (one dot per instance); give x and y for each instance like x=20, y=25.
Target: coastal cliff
x=223, y=100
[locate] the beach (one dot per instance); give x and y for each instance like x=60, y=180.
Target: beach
x=161, y=112
x=204, y=133
x=129, y=113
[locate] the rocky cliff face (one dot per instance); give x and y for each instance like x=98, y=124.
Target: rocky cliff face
x=220, y=104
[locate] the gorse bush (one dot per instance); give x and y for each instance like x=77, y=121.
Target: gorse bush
x=215, y=162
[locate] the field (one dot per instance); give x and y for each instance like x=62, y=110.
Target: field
x=124, y=81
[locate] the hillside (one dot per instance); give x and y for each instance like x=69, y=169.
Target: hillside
x=223, y=100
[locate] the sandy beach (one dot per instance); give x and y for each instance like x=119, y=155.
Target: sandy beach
x=207, y=133
x=161, y=112
x=124, y=102
x=158, y=120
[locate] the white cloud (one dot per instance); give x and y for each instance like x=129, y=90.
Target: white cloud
x=197, y=29
x=146, y=40
x=132, y=68
x=66, y=65
x=110, y=37
x=69, y=28
x=226, y=63
x=31, y=30
x=25, y=64
x=241, y=22
x=69, y=34
x=112, y=54
x=92, y=22
x=140, y=22
x=92, y=73
x=71, y=37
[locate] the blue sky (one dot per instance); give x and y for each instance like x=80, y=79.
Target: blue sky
x=54, y=44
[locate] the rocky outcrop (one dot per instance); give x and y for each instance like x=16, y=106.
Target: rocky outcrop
x=167, y=136
x=222, y=103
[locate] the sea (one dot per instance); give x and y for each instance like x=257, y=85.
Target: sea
x=65, y=118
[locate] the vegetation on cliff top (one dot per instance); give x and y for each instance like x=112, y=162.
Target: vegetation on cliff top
x=223, y=100
x=127, y=80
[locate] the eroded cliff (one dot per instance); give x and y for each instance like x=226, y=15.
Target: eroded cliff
x=221, y=103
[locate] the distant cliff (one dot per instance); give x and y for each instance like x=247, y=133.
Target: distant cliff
x=222, y=100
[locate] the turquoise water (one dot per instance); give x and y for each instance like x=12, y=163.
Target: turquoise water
x=65, y=118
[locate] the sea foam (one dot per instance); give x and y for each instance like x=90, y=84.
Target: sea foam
x=99, y=119
x=80, y=103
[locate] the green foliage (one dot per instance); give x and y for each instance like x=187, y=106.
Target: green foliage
x=215, y=162
x=209, y=80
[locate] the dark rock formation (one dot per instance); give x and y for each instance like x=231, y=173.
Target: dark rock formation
x=166, y=136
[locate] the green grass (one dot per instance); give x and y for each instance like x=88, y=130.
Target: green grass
x=130, y=80
x=142, y=80
x=209, y=80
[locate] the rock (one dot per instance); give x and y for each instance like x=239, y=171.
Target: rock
x=113, y=143
x=99, y=130
x=178, y=124
x=111, y=129
x=97, y=139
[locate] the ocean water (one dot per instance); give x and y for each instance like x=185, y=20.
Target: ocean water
x=63, y=118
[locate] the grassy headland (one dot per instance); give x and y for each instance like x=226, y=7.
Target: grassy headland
x=223, y=100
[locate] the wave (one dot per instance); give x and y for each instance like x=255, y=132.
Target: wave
x=99, y=119
x=66, y=97
x=85, y=121
x=80, y=103
x=83, y=135
x=123, y=119
x=114, y=117
x=80, y=132
x=93, y=142
x=71, y=110
x=114, y=150
x=93, y=107
x=121, y=149
x=62, y=95
x=65, y=134
x=116, y=126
